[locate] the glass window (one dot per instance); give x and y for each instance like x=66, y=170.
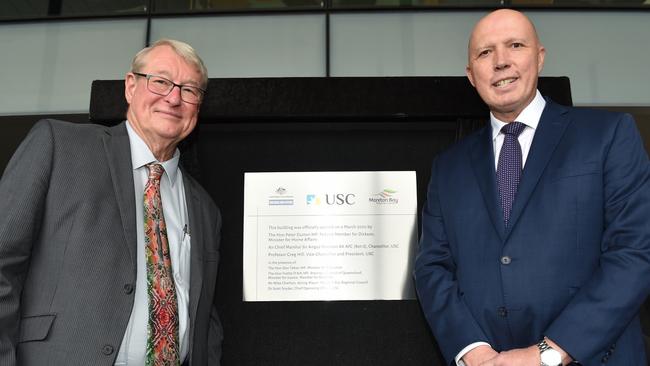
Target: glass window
x=412, y=3
x=15, y=9
x=166, y=6
x=27, y=9
x=101, y=7
x=21, y=9
x=487, y=3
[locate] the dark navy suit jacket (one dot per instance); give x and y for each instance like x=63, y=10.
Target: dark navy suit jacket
x=574, y=263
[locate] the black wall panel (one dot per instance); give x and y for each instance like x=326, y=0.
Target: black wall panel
x=318, y=124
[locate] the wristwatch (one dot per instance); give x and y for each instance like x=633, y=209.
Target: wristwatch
x=549, y=355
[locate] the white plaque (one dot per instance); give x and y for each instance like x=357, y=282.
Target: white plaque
x=329, y=236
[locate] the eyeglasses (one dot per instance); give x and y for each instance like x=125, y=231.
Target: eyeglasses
x=163, y=86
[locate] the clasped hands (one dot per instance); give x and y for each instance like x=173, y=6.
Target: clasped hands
x=486, y=356
x=529, y=356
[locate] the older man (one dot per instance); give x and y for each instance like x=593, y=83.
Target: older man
x=535, y=246
x=108, y=248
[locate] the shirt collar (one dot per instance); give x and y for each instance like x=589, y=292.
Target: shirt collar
x=529, y=116
x=141, y=156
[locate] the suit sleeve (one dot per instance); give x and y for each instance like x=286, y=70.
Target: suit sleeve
x=452, y=323
x=215, y=331
x=23, y=189
x=612, y=296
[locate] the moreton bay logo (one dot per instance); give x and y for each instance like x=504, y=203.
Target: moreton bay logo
x=280, y=198
x=385, y=197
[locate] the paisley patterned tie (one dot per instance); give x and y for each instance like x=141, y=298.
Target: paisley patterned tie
x=509, y=167
x=162, y=328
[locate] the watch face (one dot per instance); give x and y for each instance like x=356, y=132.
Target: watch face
x=551, y=357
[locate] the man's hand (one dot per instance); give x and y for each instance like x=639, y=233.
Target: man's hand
x=478, y=355
x=528, y=356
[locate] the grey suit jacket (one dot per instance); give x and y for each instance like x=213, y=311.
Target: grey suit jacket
x=68, y=250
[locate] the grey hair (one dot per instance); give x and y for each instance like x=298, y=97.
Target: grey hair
x=184, y=50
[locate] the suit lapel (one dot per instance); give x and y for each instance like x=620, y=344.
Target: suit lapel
x=550, y=130
x=118, y=156
x=196, y=247
x=482, y=157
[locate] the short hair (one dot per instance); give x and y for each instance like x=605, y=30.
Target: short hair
x=182, y=49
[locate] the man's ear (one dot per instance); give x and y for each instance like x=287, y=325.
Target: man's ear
x=540, y=58
x=129, y=86
x=468, y=72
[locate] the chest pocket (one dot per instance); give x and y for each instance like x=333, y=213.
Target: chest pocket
x=35, y=328
x=574, y=170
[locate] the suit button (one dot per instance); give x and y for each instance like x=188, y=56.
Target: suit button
x=505, y=260
x=502, y=311
x=128, y=288
x=107, y=350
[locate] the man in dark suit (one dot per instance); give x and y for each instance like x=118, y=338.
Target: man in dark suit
x=93, y=270
x=545, y=265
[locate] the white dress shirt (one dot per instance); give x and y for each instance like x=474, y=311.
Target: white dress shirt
x=134, y=345
x=530, y=117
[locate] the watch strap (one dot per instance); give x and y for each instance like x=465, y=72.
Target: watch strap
x=543, y=346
